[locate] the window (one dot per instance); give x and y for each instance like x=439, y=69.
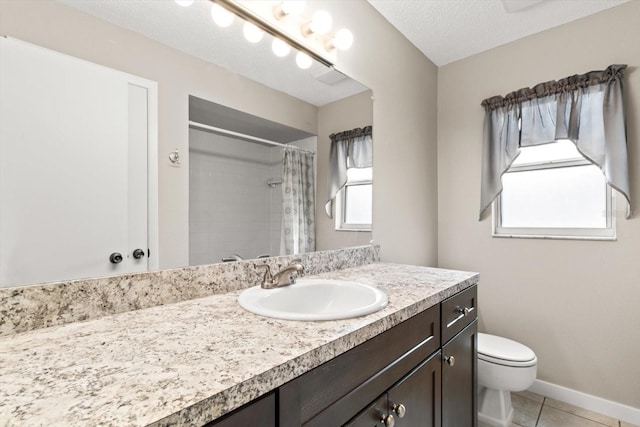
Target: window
x=552, y=191
x=353, y=203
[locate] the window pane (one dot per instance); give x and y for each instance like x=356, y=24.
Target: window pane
x=559, y=150
x=569, y=197
x=359, y=174
x=358, y=204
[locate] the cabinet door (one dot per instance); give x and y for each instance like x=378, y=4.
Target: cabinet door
x=459, y=379
x=259, y=413
x=415, y=400
x=373, y=416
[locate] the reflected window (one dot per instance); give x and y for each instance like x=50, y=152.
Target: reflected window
x=354, y=201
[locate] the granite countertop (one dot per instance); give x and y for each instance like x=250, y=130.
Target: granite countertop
x=190, y=362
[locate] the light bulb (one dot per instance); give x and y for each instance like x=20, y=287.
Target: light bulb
x=343, y=39
x=320, y=22
x=252, y=32
x=280, y=48
x=292, y=7
x=184, y=3
x=221, y=16
x=303, y=60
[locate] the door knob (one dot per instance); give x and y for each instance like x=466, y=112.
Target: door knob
x=115, y=258
x=138, y=253
x=450, y=360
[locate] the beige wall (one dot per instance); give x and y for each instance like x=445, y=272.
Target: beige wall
x=575, y=303
x=404, y=119
x=349, y=113
x=404, y=86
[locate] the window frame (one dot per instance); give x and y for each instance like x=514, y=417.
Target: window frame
x=563, y=233
x=341, y=205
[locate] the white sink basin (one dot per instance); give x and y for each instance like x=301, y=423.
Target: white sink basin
x=314, y=299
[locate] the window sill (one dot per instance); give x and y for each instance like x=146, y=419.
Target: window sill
x=550, y=237
x=353, y=229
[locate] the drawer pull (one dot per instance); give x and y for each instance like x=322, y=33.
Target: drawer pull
x=462, y=312
x=450, y=360
x=399, y=409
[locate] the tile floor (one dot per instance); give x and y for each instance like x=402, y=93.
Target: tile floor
x=533, y=410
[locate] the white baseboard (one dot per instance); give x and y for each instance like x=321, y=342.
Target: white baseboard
x=587, y=401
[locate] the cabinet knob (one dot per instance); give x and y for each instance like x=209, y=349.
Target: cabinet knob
x=399, y=409
x=388, y=421
x=450, y=360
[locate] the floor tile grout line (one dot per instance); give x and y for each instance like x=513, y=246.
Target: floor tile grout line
x=544, y=399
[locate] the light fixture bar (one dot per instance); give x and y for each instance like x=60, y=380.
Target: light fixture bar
x=250, y=16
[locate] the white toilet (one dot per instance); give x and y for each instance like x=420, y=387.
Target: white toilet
x=503, y=366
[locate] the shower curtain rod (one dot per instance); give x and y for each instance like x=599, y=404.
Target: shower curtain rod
x=245, y=136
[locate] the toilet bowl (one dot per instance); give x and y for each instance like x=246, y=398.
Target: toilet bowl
x=504, y=366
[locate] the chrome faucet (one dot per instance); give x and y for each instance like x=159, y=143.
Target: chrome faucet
x=284, y=277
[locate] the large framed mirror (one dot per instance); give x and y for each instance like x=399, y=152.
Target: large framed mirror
x=198, y=67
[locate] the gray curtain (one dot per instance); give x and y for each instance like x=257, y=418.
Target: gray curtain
x=298, y=203
x=587, y=109
x=353, y=148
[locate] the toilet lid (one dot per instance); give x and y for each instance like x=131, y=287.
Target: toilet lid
x=504, y=351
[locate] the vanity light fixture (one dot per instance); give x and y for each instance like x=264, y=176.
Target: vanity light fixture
x=290, y=7
x=320, y=23
x=342, y=40
x=221, y=16
x=248, y=12
x=280, y=48
x=303, y=60
x=252, y=33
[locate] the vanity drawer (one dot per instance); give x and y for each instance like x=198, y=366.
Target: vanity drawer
x=458, y=311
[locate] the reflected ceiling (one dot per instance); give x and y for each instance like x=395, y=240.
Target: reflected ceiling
x=191, y=30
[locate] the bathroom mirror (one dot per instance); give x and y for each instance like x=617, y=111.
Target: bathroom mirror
x=245, y=77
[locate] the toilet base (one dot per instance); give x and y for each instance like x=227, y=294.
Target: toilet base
x=494, y=407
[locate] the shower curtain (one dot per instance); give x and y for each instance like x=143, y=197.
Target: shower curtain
x=298, y=234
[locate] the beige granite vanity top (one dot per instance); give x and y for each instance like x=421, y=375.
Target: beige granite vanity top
x=190, y=362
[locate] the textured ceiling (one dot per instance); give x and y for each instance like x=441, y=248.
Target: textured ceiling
x=449, y=30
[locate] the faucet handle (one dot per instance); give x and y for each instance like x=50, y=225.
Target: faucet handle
x=298, y=272
x=267, y=276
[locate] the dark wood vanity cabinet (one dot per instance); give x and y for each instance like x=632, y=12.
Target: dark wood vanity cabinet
x=413, y=401
x=459, y=359
x=259, y=413
x=421, y=372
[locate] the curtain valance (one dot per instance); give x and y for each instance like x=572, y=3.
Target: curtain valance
x=588, y=109
x=356, y=145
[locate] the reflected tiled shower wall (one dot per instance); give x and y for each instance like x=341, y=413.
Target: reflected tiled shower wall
x=232, y=210
x=229, y=206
